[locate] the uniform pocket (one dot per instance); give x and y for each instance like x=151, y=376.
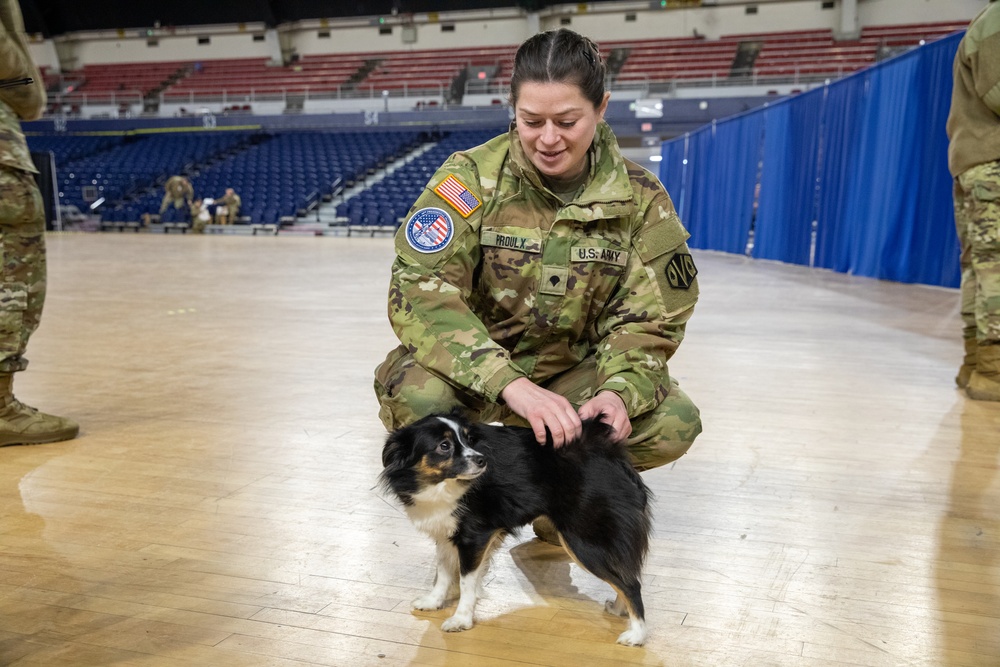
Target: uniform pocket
x=20, y=200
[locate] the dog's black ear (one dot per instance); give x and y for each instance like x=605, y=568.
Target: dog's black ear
x=396, y=446
x=459, y=414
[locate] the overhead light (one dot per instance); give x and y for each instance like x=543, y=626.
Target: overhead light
x=655, y=158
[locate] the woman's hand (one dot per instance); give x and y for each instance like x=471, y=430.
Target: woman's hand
x=613, y=407
x=543, y=409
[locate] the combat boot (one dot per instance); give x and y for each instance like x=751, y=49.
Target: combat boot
x=21, y=424
x=968, y=363
x=984, y=383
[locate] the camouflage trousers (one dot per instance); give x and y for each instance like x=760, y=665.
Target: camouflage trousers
x=977, y=218
x=406, y=392
x=22, y=244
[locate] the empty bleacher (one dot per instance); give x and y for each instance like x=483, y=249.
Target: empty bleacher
x=133, y=165
x=140, y=78
x=281, y=176
x=814, y=54
x=386, y=202
x=245, y=76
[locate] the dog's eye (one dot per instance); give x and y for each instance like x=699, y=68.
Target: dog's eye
x=444, y=447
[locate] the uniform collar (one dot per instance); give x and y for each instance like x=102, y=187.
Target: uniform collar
x=608, y=181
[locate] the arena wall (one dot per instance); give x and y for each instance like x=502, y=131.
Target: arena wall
x=603, y=22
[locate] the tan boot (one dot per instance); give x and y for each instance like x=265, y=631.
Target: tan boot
x=984, y=383
x=21, y=424
x=968, y=363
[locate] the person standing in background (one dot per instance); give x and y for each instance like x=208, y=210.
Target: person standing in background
x=22, y=236
x=177, y=198
x=974, y=160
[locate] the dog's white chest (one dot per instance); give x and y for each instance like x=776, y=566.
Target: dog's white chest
x=433, y=509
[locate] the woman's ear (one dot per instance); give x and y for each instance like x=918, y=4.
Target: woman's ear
x=604, y=105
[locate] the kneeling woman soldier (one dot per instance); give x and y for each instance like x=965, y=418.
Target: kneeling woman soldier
x=543, y=278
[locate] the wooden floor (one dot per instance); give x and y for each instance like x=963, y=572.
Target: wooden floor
x=841, y=508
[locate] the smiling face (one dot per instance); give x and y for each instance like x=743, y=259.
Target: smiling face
x=556, y=125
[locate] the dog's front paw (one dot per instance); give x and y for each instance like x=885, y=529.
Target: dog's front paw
x=633, y=637
x=457, y=623
x=428, y=602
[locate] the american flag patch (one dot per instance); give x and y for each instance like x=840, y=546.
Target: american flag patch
x=456, y=194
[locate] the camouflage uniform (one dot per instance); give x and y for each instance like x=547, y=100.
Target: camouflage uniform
x=22, y=238
x=974, y=160
x=228, y=208
x=178, y=195
x=22, y=216
x=579, y=297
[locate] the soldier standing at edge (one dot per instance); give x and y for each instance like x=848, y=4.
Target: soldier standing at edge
x=22, y=237
x=974, y=161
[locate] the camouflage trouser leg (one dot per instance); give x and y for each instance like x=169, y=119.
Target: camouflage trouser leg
x=22, y=244
x=967, y=289
x=980, y=188
x=406, y=392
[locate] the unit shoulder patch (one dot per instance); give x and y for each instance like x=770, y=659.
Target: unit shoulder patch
x=429, y=230
x=460, y=197
x=681, y=271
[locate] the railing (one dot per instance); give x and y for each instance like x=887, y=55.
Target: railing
x=498, y=88
x=645, y=85
x=109, y=98
x=421, y=89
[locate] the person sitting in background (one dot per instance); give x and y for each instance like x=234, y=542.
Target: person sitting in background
x=200, y=215
x=176, y=199
x=227, y=207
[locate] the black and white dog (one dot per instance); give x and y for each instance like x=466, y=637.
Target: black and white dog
x=469, y=485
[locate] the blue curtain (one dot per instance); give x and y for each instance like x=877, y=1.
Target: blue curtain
x=701, y=166
x=721, y=173
x=840, y=125
x=673, y=170
x=788, y=179
x=861, y=161
x=930, y=241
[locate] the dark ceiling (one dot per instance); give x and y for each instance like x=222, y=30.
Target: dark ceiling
x=55, y=17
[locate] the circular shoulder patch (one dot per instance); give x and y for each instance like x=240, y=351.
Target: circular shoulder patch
x=429, y=230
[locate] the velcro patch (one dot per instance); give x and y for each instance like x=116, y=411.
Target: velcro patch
x=455, y=193
x=681, y=271
x=429, y=230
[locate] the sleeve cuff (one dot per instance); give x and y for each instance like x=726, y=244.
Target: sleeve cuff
x=499, y=382
x=626, y=391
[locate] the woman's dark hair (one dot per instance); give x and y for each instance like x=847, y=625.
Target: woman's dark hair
x=560, y=56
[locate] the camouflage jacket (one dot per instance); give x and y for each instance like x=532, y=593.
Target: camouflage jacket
x=496, y=278
x=17, y=102
x=974, y=118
